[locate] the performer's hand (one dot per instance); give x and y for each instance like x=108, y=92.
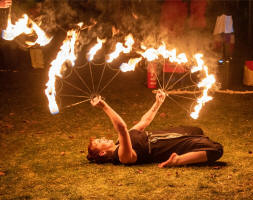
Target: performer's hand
x=172, y=161
x=5, y=3
x=160, y=96
x=97, y=101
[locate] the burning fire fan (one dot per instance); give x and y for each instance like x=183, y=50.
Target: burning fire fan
x=74, y=81
x=68, y=83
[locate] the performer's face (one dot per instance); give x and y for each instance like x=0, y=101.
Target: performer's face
x=102, y=144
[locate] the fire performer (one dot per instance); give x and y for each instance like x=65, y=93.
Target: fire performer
x=174, y=147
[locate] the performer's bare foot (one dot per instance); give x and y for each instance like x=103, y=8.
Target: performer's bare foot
x=172, y=161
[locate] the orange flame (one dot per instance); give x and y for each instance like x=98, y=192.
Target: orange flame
x=130, y=66
x=152, y=54
x=200, y=63
x=114, y=31
x=95, y=48
x=42, y=39
x=12, y=31
x=120, y=48
x=206, y=83
x=27, y=26
x=129, y=43
x=67, y=52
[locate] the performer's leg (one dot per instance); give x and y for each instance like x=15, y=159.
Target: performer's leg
x=184, y=159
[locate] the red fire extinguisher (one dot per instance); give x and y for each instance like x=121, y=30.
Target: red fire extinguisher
x=151, y=75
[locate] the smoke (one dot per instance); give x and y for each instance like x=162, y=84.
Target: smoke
x=140, y=18
x=57, y=15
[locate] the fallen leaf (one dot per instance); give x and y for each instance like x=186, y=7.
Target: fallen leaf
x=250, y=152
x=2, y=174
x=81, y=151
x=71, y=137
x=139, y=171
x=163, y=115
x=229, y=177
x=40, y=132
x=62, y=153
x=8, y=125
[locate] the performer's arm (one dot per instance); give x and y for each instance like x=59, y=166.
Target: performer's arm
x=148, y=117
x=126, y=153
x=5, y=3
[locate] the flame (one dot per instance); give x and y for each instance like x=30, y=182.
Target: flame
x=115, y=54
x=120, y=48
x=181, y=58
x=206, y=83
x=114, y=31
x=95, y=48
x=12, y=31
x=163, y=51
x=27, y=26
x=129, y=43
x=130, y=66
x=42, y=39
x=66, y=53
x=200, y=63
x=143, y=46
x=135, y=15
x=80, y=24
x=152, y=54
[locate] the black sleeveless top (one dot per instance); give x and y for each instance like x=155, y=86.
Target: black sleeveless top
x=157, y=146
x=139, y=142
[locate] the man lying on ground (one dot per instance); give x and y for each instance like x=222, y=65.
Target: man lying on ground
x=173, y=147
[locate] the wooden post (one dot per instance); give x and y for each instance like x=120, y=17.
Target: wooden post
x=250, y=23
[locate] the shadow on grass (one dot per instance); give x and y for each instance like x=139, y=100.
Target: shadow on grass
x=215, y=165
x=25, y=197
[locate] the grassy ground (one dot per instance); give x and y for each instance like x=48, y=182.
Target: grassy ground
x=42, y=156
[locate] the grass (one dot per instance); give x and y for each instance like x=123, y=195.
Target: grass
x=42, y=156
